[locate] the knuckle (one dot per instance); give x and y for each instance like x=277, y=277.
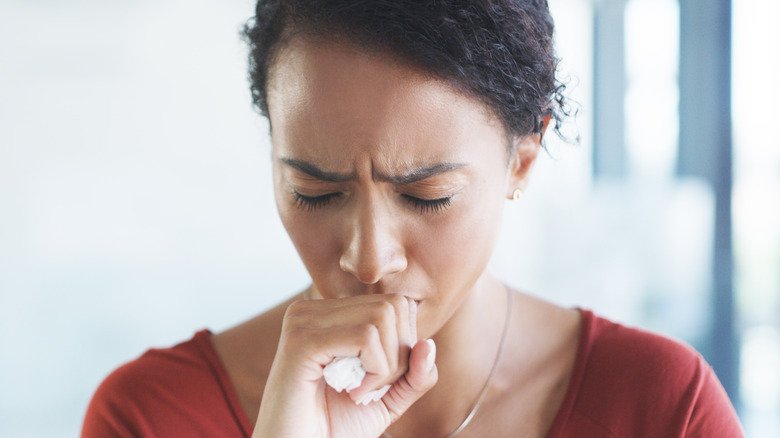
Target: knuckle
x=299, y=312
x=294, y=309
x=397, y=300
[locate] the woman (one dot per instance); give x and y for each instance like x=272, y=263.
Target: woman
x=399, y=128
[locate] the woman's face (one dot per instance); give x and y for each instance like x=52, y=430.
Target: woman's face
x=386, y=180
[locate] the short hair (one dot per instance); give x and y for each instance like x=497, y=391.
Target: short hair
x=498, y=51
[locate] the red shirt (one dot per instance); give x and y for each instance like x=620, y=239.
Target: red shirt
x=625, y=383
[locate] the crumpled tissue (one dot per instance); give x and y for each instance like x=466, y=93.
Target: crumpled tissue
x=347, y=373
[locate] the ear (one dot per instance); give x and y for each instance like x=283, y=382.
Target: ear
x=522, y=158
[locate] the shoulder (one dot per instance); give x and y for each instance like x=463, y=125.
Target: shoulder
x=633, y=381
x=619, y=353
x=160, y=392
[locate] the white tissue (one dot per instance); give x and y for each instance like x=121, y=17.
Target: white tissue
x=347, y=373
x=344, y=373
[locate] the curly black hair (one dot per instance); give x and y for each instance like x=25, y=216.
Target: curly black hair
x=498, y=51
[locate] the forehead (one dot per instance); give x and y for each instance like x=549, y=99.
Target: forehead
x=326, y=96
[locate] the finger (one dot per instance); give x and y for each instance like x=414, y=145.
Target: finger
x=384, y=318
x=331, y=304
x=405, y=342
x=420, y=378
x=412, y=322
x=347, y=301
x=342, y=311
x=398, y=346
x=398, y=357
x=390, y=315
x=402, y=308
x=362, y=341
x=407, y=334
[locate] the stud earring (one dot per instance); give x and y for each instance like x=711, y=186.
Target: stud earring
x=517, y=194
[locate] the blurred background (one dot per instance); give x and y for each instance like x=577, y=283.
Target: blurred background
x=136, y=203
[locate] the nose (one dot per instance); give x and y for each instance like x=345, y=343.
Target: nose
x=373, y=249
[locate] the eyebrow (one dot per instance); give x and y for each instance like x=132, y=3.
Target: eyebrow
x=410, y=177
x=316, y=172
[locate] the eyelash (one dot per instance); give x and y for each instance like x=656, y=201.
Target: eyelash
x=429, y=205
x=423, y=206
x=310, y=203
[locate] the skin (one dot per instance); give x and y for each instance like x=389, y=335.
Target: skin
x=391, y=185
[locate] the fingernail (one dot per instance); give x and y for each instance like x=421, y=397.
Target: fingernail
x=366, y=399
x=379, y=393
x=431, y=358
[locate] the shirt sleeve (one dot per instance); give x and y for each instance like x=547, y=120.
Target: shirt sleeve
x=637, y=383
x=168, y=392
x=109, y=414
x=711, y=412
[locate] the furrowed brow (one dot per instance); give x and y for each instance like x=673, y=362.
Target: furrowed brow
x=316, y=172
x=420, y=174
x=407, y=178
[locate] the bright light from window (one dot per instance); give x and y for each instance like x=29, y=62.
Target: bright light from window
x=652, y=51
x=756, y=211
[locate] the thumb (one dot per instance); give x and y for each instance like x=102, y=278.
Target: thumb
x=420, y=377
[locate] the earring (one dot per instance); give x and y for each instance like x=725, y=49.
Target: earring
x=517, y=194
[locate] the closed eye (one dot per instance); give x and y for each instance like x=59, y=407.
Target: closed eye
x=428, y=205
x=310, y=203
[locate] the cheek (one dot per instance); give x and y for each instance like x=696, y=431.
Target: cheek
x=315, y=240
x=456, y=250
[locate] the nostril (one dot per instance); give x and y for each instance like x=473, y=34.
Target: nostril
x=370, y=268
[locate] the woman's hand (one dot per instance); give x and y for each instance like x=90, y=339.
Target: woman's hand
x=381, y=330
